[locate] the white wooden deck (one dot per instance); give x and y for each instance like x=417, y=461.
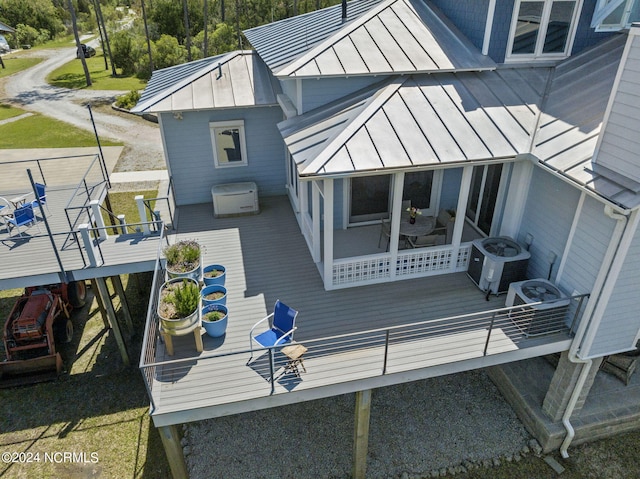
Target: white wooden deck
x=266, y=259
x=31, y=259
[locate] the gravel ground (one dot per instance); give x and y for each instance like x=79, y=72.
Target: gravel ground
x=416, y=429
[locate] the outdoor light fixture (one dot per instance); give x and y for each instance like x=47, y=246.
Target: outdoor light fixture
x=528, y=240
x=177, y=115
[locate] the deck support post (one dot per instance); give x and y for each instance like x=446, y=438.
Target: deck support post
x=103, y=291
x=99, y=221
x=117, y=285
x=361, y=434
x=101, y=308
x=173, y=449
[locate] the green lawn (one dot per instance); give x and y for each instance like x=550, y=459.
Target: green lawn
x=39, y=131
x=97, y=406
x=71, y=75
x=7, y=111
x=123, y=203
x=15, y=63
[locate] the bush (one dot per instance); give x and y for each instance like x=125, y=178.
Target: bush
x=26, y=35
x=128, y=100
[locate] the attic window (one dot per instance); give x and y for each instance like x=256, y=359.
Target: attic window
x=541, y=29
x=613, y=15
x=229, y=147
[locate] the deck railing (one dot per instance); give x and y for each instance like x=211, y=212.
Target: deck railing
x=411, y=263
x=87, y=189
x=382, y=351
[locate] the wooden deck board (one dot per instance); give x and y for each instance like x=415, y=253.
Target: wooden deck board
x=30, y=260
x=266, y=258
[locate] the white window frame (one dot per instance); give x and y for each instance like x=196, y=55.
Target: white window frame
x=544, y=22
x=235, y=124
x=604, y=8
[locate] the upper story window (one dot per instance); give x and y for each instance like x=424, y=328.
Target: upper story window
x=229, y=148
x=542, y=29
x=612, y=15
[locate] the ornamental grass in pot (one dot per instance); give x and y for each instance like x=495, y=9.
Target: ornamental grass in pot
x=184, y=260
x=178, y=306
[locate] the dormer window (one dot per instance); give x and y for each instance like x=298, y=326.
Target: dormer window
x=613, y=15
x=542, y=29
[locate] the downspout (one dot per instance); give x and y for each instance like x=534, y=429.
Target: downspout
x=582, y=328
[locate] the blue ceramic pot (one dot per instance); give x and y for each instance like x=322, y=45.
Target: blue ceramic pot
x=215, y=329
x=218, y=279
x=214, y=288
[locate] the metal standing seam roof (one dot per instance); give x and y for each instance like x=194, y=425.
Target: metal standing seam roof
x=279, y=43
x=420, y=120
x=395, y=36
x=232, y=80
x=572, y=120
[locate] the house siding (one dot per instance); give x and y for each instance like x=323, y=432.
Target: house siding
x=620, y=143
x=469, y=16
x=618, y=330
x=190, y=153
x=587, y=250
x=548, y=215
x=317, y=93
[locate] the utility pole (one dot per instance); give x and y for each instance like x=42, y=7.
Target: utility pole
x=186, y=28
x=79, y=50
x=146, y=31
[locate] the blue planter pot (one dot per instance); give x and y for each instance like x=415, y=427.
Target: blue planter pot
x=215, y=329
x=218, y=279
x=214, y=288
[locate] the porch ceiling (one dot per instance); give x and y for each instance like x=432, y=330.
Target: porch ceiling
x=418, y=121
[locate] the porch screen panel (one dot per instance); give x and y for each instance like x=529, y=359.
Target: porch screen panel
x=417, y=188
x=370, y=197
x=489, y=197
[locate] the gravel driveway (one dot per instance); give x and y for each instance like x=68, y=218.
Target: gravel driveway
x=28, y=90
x=417, y=429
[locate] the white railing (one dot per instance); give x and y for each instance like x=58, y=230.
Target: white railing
x=417, y=262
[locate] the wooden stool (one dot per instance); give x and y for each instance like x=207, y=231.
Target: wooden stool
x=294, y=353
x=168, y=340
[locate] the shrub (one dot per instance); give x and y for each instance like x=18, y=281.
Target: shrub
x=182, y=256
x=128, y=100
x=185, y=298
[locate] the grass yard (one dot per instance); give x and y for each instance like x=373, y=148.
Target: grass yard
x=97, y=406
x=123, y=203
x=7, y=111
x=16, y=63
x=71, y=75
x=39, y=131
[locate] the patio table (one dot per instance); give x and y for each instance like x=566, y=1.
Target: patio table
x=422, y=226
x=19, y=200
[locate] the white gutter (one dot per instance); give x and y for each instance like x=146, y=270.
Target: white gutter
x=593, y=322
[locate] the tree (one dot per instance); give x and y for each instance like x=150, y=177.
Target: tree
x=79, y=49
x=38, y=14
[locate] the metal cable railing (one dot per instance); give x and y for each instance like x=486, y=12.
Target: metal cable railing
x=375, y=352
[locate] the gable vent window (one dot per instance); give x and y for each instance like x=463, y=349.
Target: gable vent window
x=542, y=29
x=229, y=148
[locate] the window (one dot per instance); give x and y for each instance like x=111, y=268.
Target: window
x=542, y=29
x=612, y=15
x=229, y=148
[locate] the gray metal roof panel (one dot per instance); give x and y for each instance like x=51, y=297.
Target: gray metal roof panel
x=416, y=120
x=4, y=28
x=281, y=42
x=395, y=36
x=237, y=79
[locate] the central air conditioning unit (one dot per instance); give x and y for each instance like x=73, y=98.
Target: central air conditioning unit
x=543, y=307
x=496, y=262
x=234, y=199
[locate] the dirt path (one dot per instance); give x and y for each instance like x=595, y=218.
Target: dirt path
x=29, y=90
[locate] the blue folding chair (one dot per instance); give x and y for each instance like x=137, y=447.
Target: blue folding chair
x=282, y=324
x=23, y=216
x=42, y=196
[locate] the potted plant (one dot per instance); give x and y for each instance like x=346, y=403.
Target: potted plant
x=214, y=319
x=178, y=306
x=214, y=294
x=183, y=260
x=213, y=274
